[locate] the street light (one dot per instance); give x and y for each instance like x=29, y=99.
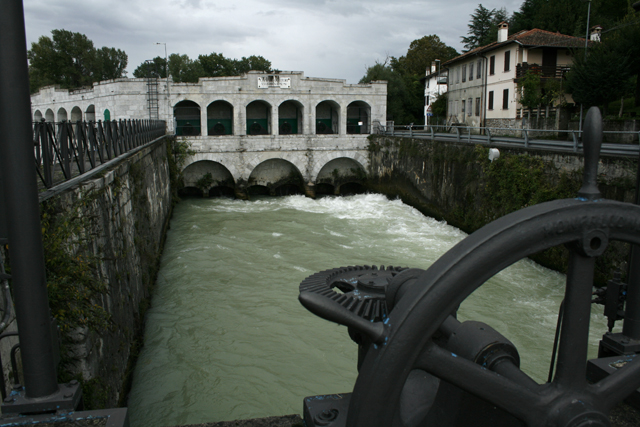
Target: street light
x=586, y=46
x=166, y=61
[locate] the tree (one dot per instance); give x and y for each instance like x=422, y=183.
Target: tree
x=70, y=60
x=184, y=70
x=599, y=77
x=479, y=28
x=422, y=52
x=157, y=67
x=398, y=95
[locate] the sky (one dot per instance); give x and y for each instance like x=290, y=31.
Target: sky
x=322, y=38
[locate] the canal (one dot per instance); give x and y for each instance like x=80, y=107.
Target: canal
x=226, y=337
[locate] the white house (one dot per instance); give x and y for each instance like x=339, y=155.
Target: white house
x=435, y=84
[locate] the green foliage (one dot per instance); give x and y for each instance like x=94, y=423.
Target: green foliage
x=405, y=91
x=72, y=285
x=205, y=182
x=529, y=87
x=157, y=67
x=439, y=106
x=70, y=60
x=483, y=28
x=184, y=69
x=178, y=150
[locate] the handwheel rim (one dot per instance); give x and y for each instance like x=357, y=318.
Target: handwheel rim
x=464, y=268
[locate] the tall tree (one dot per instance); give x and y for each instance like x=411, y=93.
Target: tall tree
x=422, y=52
x=70, y=60
x=184, y=69
x=479, y=28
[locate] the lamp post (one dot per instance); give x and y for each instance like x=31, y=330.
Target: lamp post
x=166, y=60
x=166, y=76
x=586, y=46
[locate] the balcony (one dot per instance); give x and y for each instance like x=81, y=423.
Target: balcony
x=545, y=72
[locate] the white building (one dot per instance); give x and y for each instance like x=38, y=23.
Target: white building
x=256, y=103
x=435, y=84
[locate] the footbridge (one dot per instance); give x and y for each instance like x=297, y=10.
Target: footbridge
x=241, y=166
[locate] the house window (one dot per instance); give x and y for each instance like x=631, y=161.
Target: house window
x=505, y=99
x=471, y=71
x=455, y=110
x=457, y=74
x=491, y=100
x=477, y=106
x=479, y=75
x=464, y=73
x=470, y=107
x=507, y=60
x=463, y=105
x=492, y=65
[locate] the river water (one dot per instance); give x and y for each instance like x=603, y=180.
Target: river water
x=226, y=337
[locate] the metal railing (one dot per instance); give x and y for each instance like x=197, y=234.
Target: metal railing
x=551, y=140
x=68, y=149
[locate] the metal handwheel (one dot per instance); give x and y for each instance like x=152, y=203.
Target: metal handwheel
x=416, y=334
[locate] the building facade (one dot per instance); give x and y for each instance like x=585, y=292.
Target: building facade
x=491, y=99
x=257, y=103
x=435, y=84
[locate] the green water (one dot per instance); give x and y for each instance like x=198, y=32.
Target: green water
x=226, y=337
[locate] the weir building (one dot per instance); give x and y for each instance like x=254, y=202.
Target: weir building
x=235, y=124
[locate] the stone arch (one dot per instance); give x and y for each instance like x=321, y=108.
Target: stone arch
x=290, y=117
x=229, y=161
x=358, y=118
x=339, y=176
x=90, y=113
x=187, y=116
x=62, y=114
x=37, y=116
x=220, y=118
x=49, y=116
x=212, y=178
x=278, y=176
x=76, y=114
x=327, y=156
x=327, y=117
x=258, y=115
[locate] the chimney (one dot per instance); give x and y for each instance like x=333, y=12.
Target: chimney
x=433, y=67
x=596, y=31
x=503, y=32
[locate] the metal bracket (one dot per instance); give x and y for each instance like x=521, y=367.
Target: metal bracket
x=66, y=398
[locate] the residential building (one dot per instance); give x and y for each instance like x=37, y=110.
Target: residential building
x=491, y=98
x=435, y=84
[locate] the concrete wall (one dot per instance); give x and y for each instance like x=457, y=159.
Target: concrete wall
x=124, y=212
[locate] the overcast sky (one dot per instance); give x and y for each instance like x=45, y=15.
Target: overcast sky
x=322, y=38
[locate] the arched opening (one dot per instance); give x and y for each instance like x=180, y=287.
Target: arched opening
x=327, y=118
x=209, y=177
x=76, y=114
x=342, y=175
x=358, y=118
x=48, y=116
x=220, y=118
x=90, y=113
x=187, y=116
x=280, y=177
x=62, y=115
x=190, y=192
x=258, y=118
x=37, y=116
x=290, y=114
x=107, y=114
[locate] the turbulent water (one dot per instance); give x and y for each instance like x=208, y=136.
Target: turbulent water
x=226, y=337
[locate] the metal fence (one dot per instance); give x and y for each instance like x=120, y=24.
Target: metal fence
x=68, y=149
x=554, y=140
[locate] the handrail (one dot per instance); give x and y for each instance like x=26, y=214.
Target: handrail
x=68, y=149
x=563, y=140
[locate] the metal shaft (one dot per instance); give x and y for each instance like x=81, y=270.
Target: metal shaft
x=22, y=207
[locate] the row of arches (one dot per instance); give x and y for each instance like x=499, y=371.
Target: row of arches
x=220, y=118
x=74, y=115
x=275, y=177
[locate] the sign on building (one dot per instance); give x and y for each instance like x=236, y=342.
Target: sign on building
x=274, y=80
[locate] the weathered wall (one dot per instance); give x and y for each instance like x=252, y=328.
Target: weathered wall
x=457, y=182
x=120, y=219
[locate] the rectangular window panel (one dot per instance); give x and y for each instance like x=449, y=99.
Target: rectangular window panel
x=507, y=60
x=505, y=99
x=464, y=73
x=477, y=106
x=491, y=100
x=492, y=65
x=463, y=107
x=479, y=75
x=471, y=71
x=470, y=107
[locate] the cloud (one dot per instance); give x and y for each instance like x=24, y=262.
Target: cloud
x=323, y=38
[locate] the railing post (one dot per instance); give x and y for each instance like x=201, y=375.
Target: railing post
x=526, y=138
x=575, y=141
x=488, y=131
x=458, y=133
